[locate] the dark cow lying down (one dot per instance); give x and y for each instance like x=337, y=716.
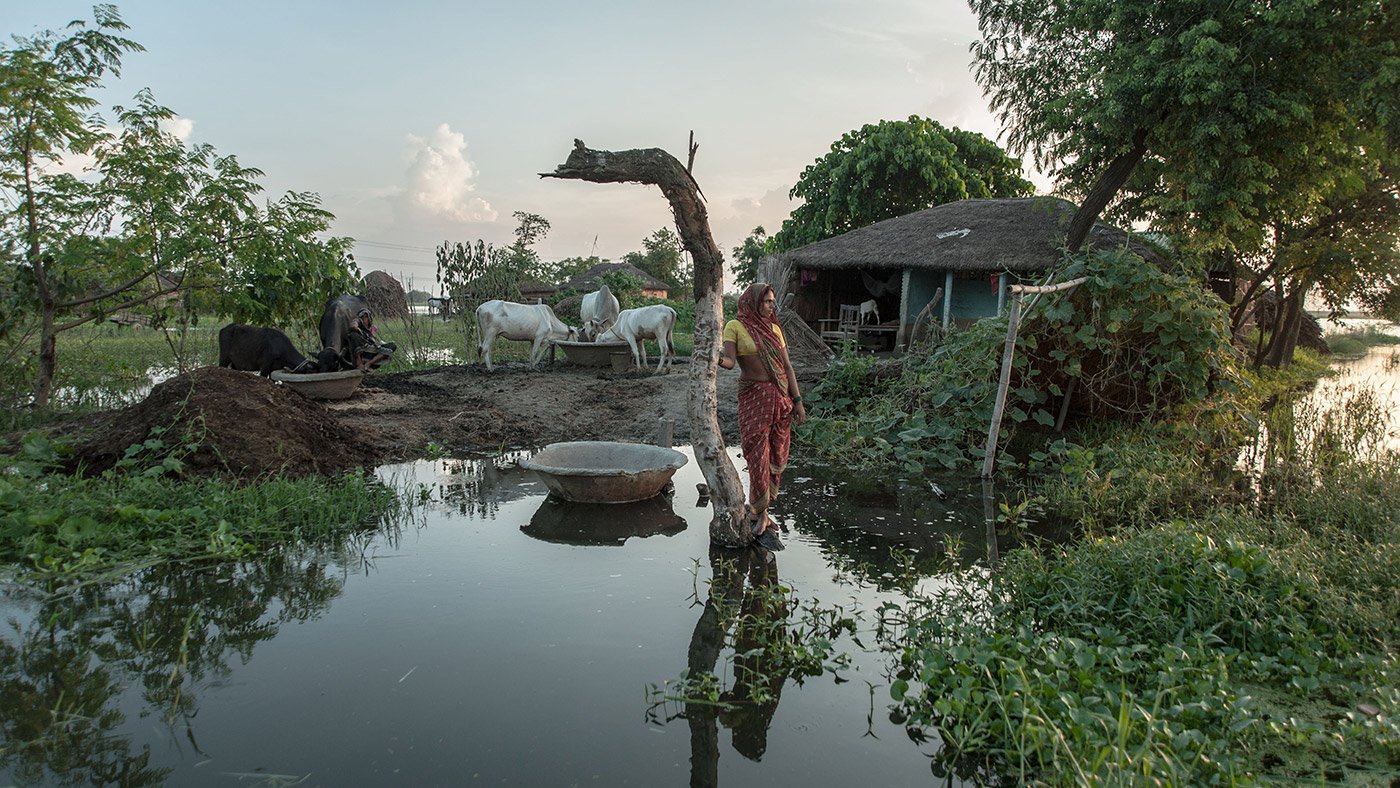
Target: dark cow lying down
x=260, y=350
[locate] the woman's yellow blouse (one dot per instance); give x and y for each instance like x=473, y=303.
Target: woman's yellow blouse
x=735, y=332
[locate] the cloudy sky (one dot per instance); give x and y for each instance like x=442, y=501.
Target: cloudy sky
x=423, y=121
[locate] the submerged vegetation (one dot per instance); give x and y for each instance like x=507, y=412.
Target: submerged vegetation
x=1222, y=618
x=1199, y=633
x=1228, y=609
x=1357, y=341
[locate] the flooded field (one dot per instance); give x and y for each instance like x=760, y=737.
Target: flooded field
x=499, y=637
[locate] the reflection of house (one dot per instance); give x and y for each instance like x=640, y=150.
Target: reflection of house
x=589, y=280
x=971, y=249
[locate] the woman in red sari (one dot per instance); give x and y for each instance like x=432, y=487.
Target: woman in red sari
x=769, y=401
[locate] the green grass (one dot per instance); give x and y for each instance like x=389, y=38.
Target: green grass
x=136, y=515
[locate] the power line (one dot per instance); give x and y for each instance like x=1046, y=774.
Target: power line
x=371, y=259
x=400, y=247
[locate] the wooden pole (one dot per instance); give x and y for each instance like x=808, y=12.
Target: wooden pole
x=1004, y=384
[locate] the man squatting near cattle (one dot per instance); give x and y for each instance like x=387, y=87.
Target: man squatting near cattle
x=769, y=401
x=365, y=348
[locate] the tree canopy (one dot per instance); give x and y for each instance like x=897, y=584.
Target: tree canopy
x=664, y=258
x=892, y=168
x=748, y=254
x=1257, y=132
x=1227, y=95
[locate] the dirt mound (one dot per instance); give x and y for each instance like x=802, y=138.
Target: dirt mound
x=242, y=425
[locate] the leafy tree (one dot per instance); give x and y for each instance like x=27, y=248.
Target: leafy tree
x=747, y=255
x=626, y=287
x=1225, y=95
x=563, y=270
x=664, y=258
x=892, y=168
x=1341, y=245
x=523, y=258
x=1240, y=128
x=475, y=273
x=152, y=218
x=44, y=101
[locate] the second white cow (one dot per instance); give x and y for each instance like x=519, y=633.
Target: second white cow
x=598, y=311
x=535, y=323
x=635, y=326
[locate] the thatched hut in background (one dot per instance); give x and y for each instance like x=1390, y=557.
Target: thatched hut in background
x=533, y=291
x=972, y=250
x=385, y=296
x=589, y=280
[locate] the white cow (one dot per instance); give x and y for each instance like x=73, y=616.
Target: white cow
x=635, y=326
x=520, y=322
x=598, y=311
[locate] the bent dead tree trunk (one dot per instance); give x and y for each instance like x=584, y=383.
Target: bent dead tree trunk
x=659, y=168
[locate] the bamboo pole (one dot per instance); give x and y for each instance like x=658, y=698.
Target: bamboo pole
x=1004, y=384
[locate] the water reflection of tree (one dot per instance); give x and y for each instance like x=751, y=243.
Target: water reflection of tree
x=477, y=488
x=745, y=599
x=169, y=629
x=887, y=532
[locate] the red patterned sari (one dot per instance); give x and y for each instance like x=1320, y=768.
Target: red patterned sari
x=765, y=408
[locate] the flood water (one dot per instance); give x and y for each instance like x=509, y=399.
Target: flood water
x=498, y=637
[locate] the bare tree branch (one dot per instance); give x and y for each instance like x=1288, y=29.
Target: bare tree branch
x=658, y=168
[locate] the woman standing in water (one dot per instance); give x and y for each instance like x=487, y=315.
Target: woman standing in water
x=769, y=401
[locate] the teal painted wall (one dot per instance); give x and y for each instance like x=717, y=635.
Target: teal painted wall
x=973, y=297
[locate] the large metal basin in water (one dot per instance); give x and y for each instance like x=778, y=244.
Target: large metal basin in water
x=604, y=471
x=595, y=524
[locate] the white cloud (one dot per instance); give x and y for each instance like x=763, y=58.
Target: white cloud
x=441, y=179
x=180, y=128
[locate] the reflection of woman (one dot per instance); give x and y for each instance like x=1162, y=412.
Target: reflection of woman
x=754, y=696
x=769, y=401
x=743, y=597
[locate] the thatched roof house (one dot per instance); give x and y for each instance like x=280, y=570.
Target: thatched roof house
x=534, y=291
x=965, y=253
x=588, y=281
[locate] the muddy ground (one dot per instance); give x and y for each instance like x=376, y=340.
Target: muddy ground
x=238, y=424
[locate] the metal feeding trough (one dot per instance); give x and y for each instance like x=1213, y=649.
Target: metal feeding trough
x=591, y=354
x=322, y=385
x=604, y=471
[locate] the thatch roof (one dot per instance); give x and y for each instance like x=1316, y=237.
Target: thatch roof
x=535, y=286
x=588, y=280
x=1022, y=234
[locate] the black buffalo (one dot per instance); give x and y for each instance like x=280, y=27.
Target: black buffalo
x=263, y=350
x=335, y=325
